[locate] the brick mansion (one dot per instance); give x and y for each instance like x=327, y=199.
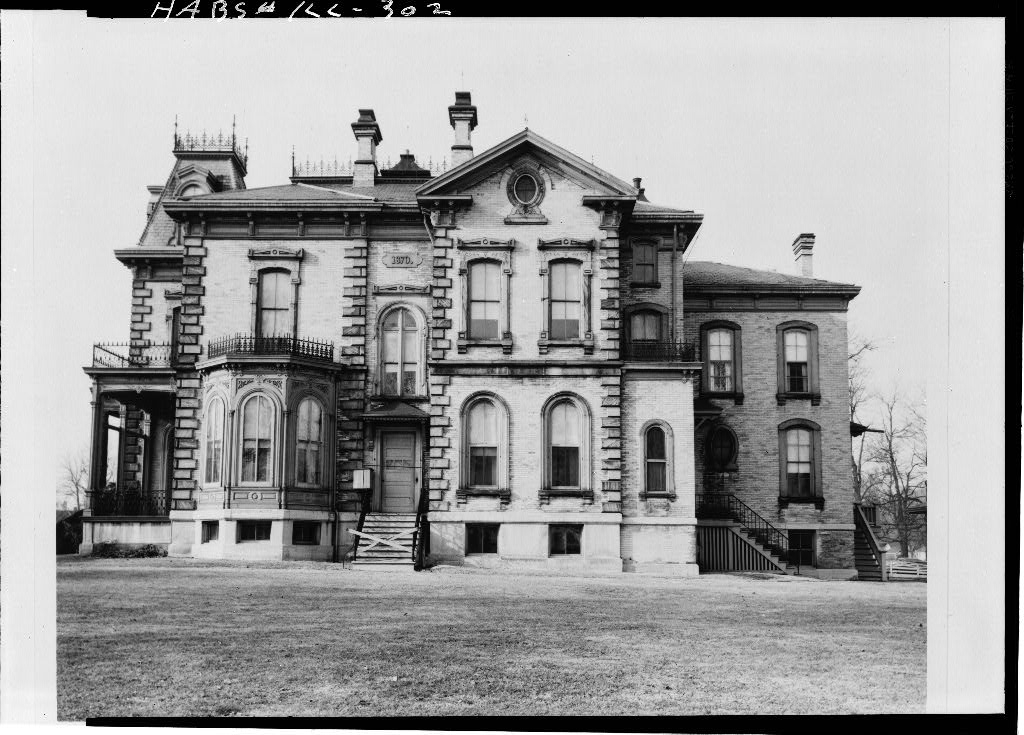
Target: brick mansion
x=509, y=362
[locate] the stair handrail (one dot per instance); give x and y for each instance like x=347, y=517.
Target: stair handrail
x=419, y=537
x=364, y=507
x=874, y=544
x=752, y=521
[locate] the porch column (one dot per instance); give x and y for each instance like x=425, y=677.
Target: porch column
x=97, y=440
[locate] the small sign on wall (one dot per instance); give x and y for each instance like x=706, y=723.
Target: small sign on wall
x=402, y=260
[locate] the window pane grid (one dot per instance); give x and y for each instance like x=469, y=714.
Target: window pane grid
x=484, y=300
x=565, y=301
x=400, y=361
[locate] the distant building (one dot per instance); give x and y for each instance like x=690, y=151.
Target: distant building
x=505, y=361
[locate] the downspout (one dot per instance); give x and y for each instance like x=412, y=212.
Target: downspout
x=672, y=310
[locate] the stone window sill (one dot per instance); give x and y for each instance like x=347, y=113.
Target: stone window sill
x=645, y=284
x=653, y=496
x=817, y=502
x=735, y=396
x=781, y=398
x=502, y=493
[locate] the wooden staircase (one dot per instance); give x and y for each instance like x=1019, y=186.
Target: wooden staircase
x=386, y=541
x=733, y=537
x=868, y=555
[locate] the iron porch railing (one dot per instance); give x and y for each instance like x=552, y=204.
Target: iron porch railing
x=128, y=500
x=656, y=351
x=285, y=344
x=727, y=506
x=132, y=356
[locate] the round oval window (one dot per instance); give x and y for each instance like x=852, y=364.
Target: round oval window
x=723, y=448
x=525, y=189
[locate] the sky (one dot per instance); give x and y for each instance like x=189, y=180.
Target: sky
x=884, y=137
x=769, y=128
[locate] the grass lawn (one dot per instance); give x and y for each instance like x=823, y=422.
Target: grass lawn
x=188, y=637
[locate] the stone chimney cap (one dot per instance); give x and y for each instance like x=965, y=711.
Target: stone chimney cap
x=367, y=125
x=463, y=109
x=804, y=241
x=636, y=182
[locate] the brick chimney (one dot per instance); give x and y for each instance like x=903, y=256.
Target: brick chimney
x=802, y=248
x=462, y=116
x=367, y=132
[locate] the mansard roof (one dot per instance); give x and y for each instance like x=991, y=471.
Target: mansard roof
x=283, y=192
x=469, y=171
x=710, y=276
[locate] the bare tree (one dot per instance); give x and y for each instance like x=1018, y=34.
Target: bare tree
x=896, y=477
x=73, y=483
x=859, y=347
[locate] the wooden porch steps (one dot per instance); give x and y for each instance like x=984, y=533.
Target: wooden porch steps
x=868, y=568
x=385, y=542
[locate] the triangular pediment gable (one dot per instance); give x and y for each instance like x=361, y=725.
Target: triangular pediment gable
x=525, y=144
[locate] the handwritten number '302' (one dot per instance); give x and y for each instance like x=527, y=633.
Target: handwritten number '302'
x=411, y=9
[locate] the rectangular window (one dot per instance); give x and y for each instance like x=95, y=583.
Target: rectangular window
x=211, y=531
x=798, y=463
x=254, y=530
x=645, y=263
x=720, y=360
x=797, y=377
x=274, y=304
x=565, y=466
x=482, y=538
x=565, y=301
x=484, y=300
x=483, y=466
x=305, y=532
x=801, y=548
x=565, y=539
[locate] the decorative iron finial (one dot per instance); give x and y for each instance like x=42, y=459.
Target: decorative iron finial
x=293, y=159
x=175, y=130
x=232, y=131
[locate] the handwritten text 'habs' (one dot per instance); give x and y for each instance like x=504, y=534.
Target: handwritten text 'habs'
x=224, y=10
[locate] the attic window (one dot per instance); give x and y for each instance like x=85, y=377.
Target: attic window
x=191, y=190
x=525, y=189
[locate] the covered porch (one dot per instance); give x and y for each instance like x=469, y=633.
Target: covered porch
x=132, y=448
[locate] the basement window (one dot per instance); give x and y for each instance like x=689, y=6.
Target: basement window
x=801, y=548
x=211, y=531
x=482, y=538
x=564, y=539
x=306, y=533
x=254, y=531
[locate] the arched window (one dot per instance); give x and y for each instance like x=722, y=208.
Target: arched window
x=484, y=299
x=309, y=442
x=656, y=460
x=721, y=347
x=798, y=361
x=797, y=376
x=565, y=300
x=192, y=190
x=721, y=450
x=400, y=363
x=565, y=445
x=273, y=303
x=720, y=360
x=258, y=419
x=214, y=441
x=483, y=444
x=484, y=456
x=565, y=442
x=800, y=461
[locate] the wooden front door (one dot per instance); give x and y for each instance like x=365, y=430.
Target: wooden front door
x=399, y=474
